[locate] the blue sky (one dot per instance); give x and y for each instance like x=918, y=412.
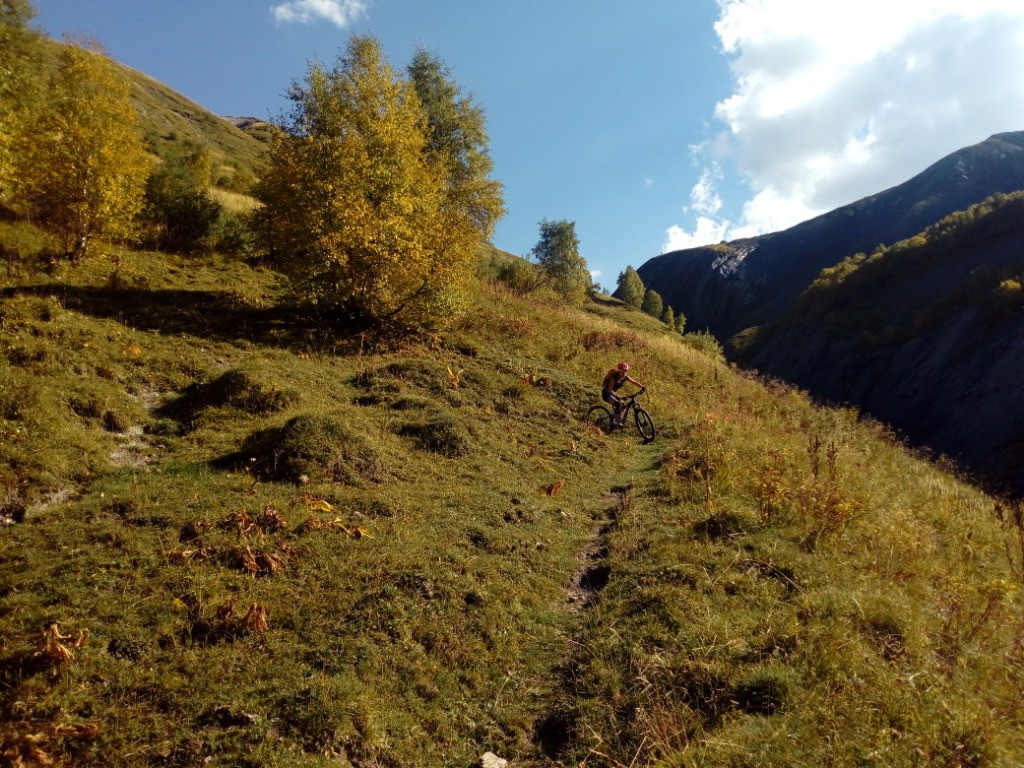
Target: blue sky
x=652, y=125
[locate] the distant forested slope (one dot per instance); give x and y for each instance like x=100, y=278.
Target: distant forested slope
x=927, y=335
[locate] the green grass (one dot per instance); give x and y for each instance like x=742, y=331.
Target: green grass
x=296, y=548
x=168, y=121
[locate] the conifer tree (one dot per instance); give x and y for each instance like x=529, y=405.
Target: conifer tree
x=79, y=164
x=652, y=303
x=355, y=211
x=668, y=317
x=680, y=323
x=630, y=288
x=458, y=140
x=558, y=253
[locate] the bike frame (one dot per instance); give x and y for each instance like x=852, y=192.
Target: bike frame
x=628, y=402
x=608, y=419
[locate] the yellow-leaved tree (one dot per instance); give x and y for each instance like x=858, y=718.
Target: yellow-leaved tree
x=354, y=209
x=19, y=47
x=79, y=162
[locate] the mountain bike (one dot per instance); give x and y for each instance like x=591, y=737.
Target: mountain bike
x=601, y=416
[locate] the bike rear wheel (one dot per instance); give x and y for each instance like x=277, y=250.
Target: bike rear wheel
x=644, y=424
x=600, y=417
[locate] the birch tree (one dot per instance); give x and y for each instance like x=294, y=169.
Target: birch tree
x=79, y=163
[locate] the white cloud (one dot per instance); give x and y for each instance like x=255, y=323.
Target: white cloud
x=835, y=101
x=704, y=198
x=707, y=231
x=770, y=211
x=340, y=12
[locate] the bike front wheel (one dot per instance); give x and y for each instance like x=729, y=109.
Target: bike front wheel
x=644, y=424
x=600, y=417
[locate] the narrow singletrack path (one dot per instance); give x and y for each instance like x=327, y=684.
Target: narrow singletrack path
x=553, y=728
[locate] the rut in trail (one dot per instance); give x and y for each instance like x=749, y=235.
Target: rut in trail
x=594, y=571
x=553, y=730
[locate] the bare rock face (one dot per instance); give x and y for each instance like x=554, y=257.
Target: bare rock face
x=244, y=122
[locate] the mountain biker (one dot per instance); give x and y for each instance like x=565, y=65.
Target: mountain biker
x=613, y=381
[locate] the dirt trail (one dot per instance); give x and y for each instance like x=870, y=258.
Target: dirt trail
x=554, y=726
x=594, y=571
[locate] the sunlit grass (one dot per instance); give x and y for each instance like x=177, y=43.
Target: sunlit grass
x=234, y=202
x=294, y=549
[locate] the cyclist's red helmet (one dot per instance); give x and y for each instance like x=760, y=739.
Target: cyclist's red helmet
x=623, y=367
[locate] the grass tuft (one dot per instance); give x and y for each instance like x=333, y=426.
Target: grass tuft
x=440, y=433
x=310, y=448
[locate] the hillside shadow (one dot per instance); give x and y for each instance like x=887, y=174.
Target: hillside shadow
x=211, y=315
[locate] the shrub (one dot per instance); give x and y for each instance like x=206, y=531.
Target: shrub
x=233, y=236
x=179, y=212
x=310, y=448
x=442, y=434
x=704, y=342
x=520, y=276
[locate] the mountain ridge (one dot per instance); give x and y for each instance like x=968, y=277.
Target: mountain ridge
x=728, y=287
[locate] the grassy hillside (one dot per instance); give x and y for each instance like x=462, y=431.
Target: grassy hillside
x=971, y=257
x=238, y=539
x=925, y=334
x=170, y=122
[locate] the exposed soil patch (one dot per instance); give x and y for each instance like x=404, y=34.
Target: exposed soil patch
x=134, y=450
x=594, y=571
x=54, y=497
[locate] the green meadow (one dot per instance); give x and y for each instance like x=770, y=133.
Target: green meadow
x=239, y=535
